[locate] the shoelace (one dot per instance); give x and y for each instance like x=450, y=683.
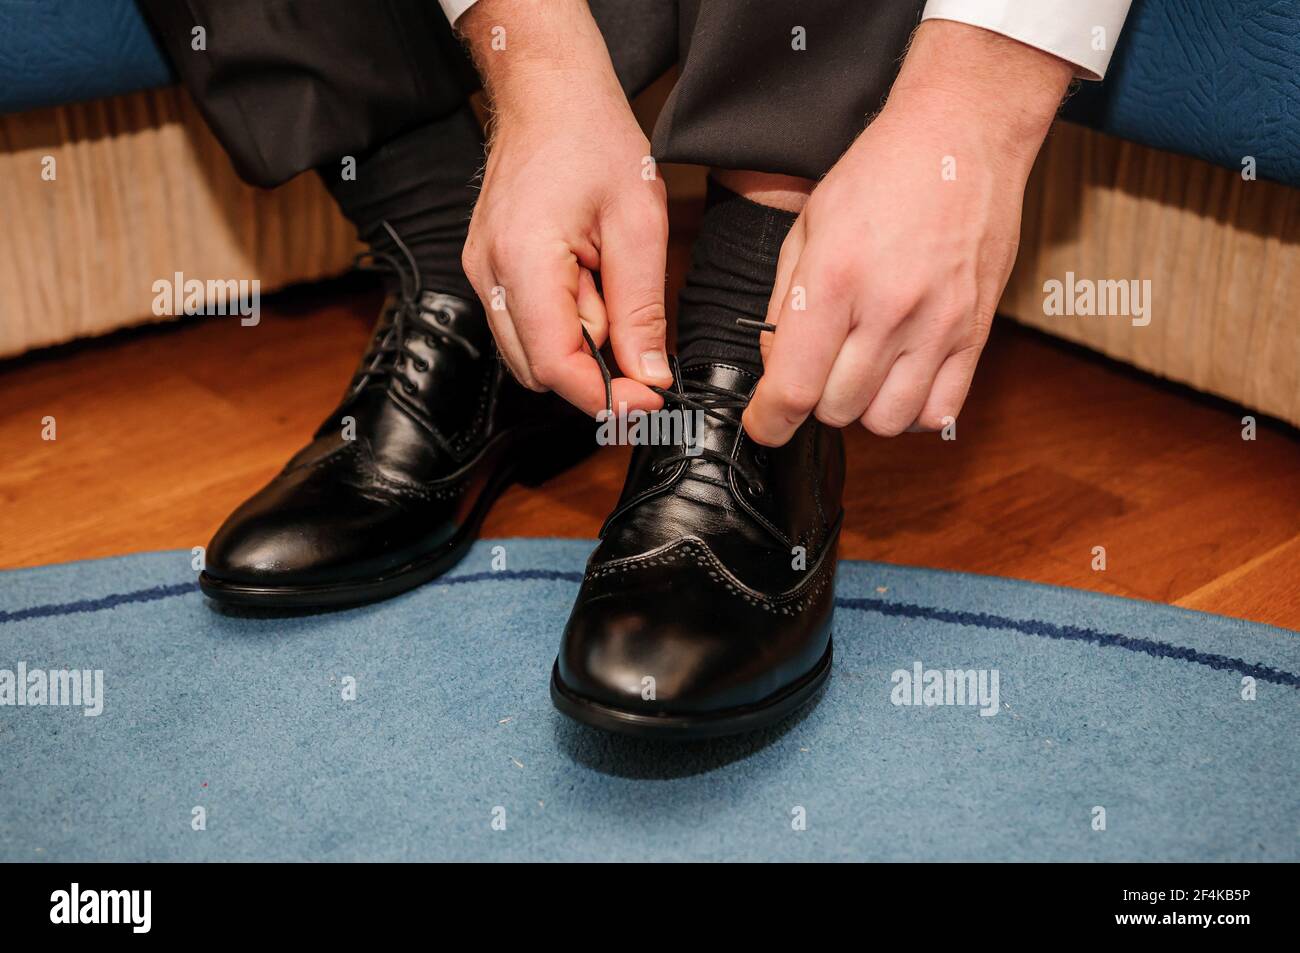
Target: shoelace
x=392, y=344
x=709, y=399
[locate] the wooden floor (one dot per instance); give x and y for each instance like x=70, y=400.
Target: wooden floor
x=160, y=433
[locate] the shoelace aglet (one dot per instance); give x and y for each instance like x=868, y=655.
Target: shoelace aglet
x=756, y=325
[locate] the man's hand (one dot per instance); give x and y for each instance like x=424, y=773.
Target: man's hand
x=887, y=284
x=564, y=196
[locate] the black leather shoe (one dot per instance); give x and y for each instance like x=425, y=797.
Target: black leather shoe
x=391, y=491
x=706, y=608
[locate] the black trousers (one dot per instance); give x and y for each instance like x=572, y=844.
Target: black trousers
x=766, y=85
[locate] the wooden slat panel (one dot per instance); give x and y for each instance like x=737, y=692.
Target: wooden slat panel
x=142, y=191
x=1222, y=255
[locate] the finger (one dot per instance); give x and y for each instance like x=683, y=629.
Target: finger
x=951, y=385
x=500, y=323
x=591, y=311
x=903, y=393
x=591, y=308
x=791, y=249
x=859, y=370
x=546, y=317
x=633, y=259
x=810, y=330
x=878, y=338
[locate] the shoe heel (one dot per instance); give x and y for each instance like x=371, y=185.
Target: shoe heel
x=554, y=451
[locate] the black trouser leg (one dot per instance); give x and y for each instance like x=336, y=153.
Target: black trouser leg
x=374, y=97
x=293, y=85
x=289, y=86
x=780, y=87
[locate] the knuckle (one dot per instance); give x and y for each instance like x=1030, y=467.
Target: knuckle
x=505, y=247
x=837, y=276
x=882, y=426
x=834, y=416
x=796, y=399
x=526, y=378
x=890, y=309
x=953, y=315
x=642, y=211
x=758, y=431
x=540, y=376
x=889, y=418
x=646, y=316
x=968, y=356
x=649, y=228
x=982, y=325
x=652, y=199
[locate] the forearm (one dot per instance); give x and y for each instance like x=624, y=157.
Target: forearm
x=533, y=55
x=1009, y=91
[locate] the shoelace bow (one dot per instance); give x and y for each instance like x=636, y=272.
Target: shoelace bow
x=709, y=399
x=390, y=350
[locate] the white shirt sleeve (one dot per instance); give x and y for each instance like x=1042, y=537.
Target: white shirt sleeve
x=454, y=8
x=1082, y=32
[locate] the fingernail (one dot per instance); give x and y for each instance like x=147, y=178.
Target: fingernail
x=654, y=364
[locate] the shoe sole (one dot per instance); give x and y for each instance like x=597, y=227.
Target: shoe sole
x=731, y=721
x=342, y=595
x=416, y=573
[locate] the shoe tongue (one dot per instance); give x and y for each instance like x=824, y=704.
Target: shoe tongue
x=714, y=434
x=717, y=374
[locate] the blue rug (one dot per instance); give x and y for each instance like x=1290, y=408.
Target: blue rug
x=239, y=725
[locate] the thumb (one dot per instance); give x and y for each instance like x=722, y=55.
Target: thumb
x=633, y=259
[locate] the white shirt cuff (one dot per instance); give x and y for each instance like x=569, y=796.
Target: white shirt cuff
x=454, y=8
x=1082, y=32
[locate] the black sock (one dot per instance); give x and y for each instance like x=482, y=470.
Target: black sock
x=420, y=183
x=733, y=271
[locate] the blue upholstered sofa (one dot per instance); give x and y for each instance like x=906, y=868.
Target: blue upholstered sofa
x=1215, y=79
x=54, y=52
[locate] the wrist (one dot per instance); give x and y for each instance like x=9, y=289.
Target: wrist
x=1004, y=91
x=533, y=57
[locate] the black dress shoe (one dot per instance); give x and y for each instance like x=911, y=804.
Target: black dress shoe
x=706, y=608
x=391, y=491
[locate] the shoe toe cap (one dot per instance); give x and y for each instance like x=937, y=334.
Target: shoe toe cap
x=285, y=539
x=690, y=651
x=266, y=549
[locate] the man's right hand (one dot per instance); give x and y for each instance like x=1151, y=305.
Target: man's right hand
x=564, y=196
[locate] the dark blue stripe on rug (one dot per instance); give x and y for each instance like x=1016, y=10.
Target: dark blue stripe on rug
x=983, y=620
x=152, y=594
x=1071, y=633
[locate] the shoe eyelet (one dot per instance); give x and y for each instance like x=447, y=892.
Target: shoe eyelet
x=409, y=388
x=421, y=365
x=760, y=457
x=755, y=489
